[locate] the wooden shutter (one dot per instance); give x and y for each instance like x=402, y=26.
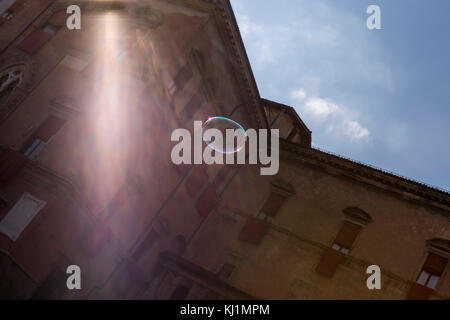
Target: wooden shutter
x=329, y=262
x=49, y=128
x=254, y=230
x=53, y=287
x=196, y=181
x=34, y=41
x=20, y=216
x=182, y=78
x=207, y=201
x=435, y=264
x=58, y=19
x=11, y=162
x=347, y=234
x=194, y=104
x=273, y=204
x=419, y=292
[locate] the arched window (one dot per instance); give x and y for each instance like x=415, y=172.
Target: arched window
x=10, y=79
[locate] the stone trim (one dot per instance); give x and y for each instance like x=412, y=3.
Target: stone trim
x=354, y=214
x=408, y=189
x=205, y=278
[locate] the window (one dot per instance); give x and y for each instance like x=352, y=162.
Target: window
x=10, y=79
x=53, y=287
x=432, y=270
x=254, y=230
x=74, y=63
x=35, y=148
x=50, y=29
x=346, y=236
x=340, y=247
x=38, y=37
x=207, y=201
x=193, y=105
x=42, y=136
x=181, y=79
x=10, y=163
x=273, y=204
x=35, y=40
x=198, y=60
x=428, y=278
x=20, y=216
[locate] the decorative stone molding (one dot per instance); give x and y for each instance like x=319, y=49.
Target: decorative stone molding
x=439, y=246
x=355, y=214
x=282, y=188
x=388, y=182
x=10, y=103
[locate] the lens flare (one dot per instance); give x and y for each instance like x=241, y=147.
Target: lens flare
x=222, y=124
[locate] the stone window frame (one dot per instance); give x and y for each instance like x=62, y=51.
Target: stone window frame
x=10, y=103
x=437, y=246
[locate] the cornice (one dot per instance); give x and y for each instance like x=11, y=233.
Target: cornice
x=399, y=186
x=241, y=61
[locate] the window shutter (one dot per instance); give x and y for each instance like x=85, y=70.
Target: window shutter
x=196, y=181
x=207, y=201
x=254, y=230
x=49, y=128
x=20, y=216
x=10, y=163
x=53, y=287
x=34, y=41
x=194, y=104
x=181, y=79
x=58, y=19
x=419, y=292
x=199, y=60
x=329, y=262
x=273, y=204
x=435, y=264
x=146, y=244
x=347, y=234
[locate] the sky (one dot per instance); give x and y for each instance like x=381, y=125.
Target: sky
x=381, y=97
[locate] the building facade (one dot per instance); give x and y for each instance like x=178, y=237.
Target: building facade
x=86, y=176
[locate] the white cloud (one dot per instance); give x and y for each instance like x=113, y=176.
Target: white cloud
x=299, y=94
x=320, y=108
x=354, y=130
x=334, y=118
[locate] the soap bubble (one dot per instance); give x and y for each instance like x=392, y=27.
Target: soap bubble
x=222, y=124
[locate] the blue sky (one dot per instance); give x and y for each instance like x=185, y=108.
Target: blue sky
x=381, y=97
